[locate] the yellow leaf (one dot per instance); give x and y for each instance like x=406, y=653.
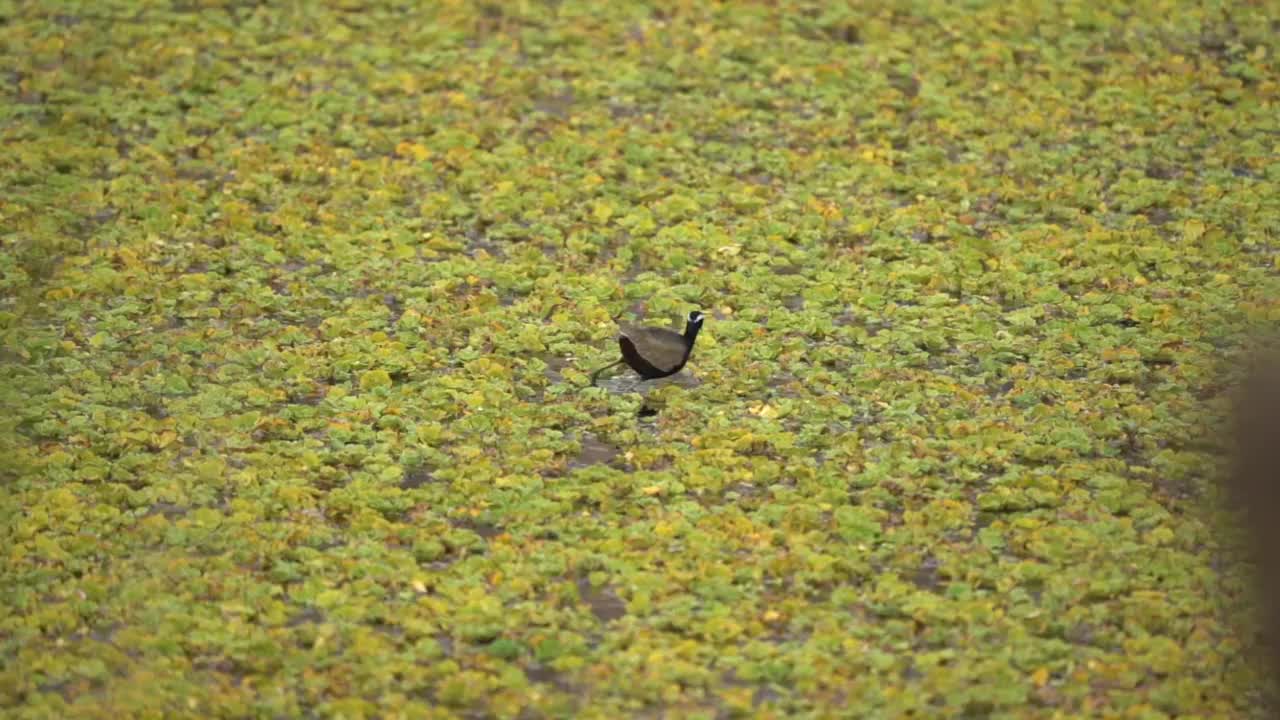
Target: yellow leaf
x=652, y=490
x=766, y=411
x=1040, y=677
x=413, y=150
x=738, y=698
x=443, y=244
x=375, y=379
x=602, y=212
x=457, y=157
x=128, y=257
x=1192, y=230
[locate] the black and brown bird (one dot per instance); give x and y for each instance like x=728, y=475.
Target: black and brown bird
x=655, y=352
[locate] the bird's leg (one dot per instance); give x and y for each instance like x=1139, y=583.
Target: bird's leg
x=596, y=374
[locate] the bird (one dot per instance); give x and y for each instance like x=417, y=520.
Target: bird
x=655, y=352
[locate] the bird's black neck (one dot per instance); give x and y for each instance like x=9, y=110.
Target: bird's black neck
x=691, y=334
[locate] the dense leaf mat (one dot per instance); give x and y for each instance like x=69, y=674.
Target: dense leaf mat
x=299, y=299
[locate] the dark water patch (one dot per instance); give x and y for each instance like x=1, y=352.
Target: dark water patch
x=395, y=308
x=156, y=411
x=308, y=616
x=558, y=105
x=446, y=644
x=603, y=601
x=926, y=577
x=310, y=399
x=169, y=510
x=620, y=111
x=543, y=675
x=416, y=478
x=555, y=364
x=764, y=692
x=1079, y=634
x=843, y=32
x=483, y=529
x=593, y=452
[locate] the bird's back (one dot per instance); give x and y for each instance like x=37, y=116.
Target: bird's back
x=639, y=333
x=663, y=349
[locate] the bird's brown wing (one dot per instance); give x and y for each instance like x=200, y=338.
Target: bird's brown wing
x=661, y=348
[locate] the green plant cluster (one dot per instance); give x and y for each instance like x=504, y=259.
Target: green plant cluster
x=298, y=301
